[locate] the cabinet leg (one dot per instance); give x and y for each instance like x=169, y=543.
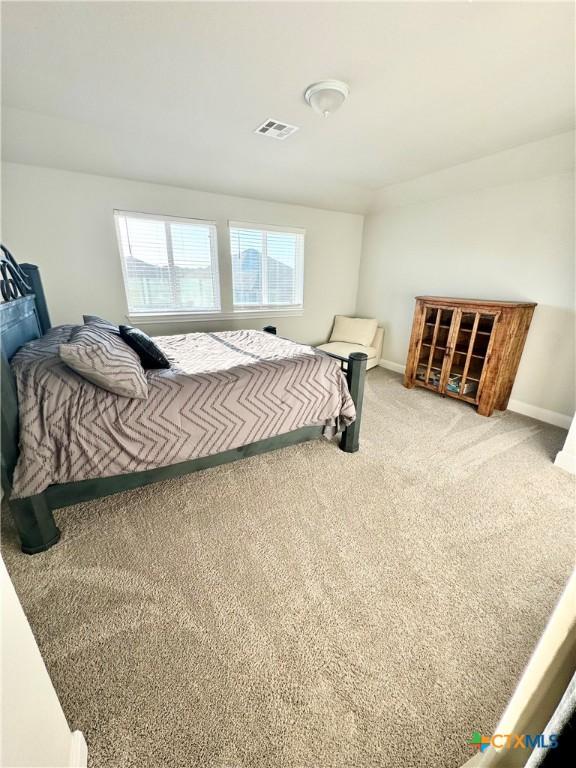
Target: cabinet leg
x=484, y=410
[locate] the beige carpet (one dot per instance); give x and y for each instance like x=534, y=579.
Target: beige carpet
x=310, y=608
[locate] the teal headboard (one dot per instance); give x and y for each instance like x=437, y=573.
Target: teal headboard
x=23, y=317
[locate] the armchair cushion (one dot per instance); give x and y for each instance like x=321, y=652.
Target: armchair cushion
x=345, y=350
x=354, y=330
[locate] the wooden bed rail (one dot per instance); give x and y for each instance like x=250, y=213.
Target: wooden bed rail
x=355, y=368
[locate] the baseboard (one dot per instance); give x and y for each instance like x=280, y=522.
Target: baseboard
x=542, y=414
x=390, y=366
x=534, y=411
x=567, y=461
x=78, y=750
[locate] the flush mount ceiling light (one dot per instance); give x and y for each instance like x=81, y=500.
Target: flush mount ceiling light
x=327, y=96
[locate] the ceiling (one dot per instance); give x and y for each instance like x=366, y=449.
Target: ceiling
x=172, y=92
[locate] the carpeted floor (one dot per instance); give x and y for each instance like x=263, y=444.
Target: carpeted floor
x=310, y=608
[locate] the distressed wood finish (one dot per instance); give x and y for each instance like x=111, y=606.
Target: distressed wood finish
x=19, y=323
x=415, y=345
x=34, y=281
x=489, y=335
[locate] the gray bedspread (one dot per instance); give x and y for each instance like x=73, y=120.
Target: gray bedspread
x=224, y=390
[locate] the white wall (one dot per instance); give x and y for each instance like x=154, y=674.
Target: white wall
x=63, y=222
x=499, y=228
x=543, y=683
x=566, y=458
x=34, y=728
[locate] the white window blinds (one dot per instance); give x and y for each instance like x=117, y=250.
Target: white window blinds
x=267, y=266
x=170, y=265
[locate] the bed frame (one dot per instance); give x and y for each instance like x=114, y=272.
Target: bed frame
x=24, y=317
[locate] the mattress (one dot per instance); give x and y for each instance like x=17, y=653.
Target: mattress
x=222, y=391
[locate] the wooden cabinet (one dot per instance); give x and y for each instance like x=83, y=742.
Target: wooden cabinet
x=468, y=349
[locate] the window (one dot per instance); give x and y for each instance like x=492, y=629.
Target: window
x=170, y=265
x=267, y=267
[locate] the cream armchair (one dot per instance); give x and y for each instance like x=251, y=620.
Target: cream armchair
x=355, y=334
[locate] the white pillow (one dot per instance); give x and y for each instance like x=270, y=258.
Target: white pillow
x=354, y=330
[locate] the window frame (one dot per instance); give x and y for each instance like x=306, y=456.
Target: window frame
x=159, y=315
x=270, y=309
x=222, y=270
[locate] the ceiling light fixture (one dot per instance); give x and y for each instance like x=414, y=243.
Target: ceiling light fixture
x=327, y=96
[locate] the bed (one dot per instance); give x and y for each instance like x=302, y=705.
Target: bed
x=226, y=396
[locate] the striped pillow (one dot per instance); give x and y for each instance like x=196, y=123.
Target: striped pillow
x=105, y=360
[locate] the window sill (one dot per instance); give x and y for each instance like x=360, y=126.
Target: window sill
x=203, y=317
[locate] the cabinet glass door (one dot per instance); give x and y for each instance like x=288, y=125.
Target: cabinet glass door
x=471, y=347
x=433, y=348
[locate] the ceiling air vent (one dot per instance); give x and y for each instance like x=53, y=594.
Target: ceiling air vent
x=276, y=129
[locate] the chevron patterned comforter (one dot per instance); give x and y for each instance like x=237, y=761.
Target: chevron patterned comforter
x=223, y=390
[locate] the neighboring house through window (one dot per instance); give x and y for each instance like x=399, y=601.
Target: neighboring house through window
x=267, y=266
x=171, y=267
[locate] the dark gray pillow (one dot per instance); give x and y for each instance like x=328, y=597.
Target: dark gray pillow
x=99, y=322
x=149, y=354
x=105, y=360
